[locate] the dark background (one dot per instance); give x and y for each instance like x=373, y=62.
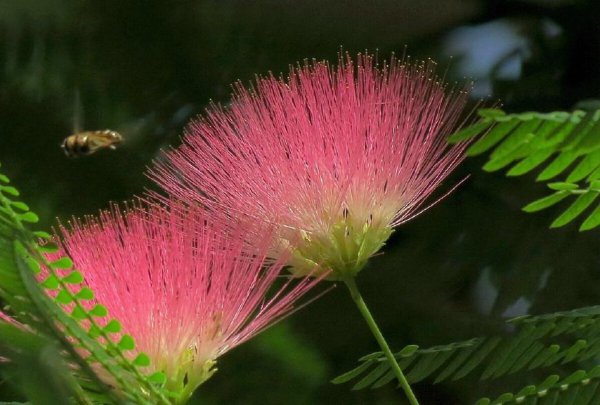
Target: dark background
x=145, y=68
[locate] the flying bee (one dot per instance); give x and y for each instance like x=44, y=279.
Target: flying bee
x=88, y=142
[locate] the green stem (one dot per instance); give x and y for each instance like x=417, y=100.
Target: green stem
x=362, y=307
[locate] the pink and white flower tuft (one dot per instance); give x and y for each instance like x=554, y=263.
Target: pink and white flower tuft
x=181, y=284
x=336, y=157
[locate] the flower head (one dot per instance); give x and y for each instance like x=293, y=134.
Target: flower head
x=181, y=284
x=336, y=157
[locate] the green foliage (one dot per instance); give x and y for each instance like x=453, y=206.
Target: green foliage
x=536, y=342
x=36, y=367
x=580, y=388
x=56, y=312
x=557, y=144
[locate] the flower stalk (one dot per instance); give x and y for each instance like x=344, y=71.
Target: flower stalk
x=364, y=311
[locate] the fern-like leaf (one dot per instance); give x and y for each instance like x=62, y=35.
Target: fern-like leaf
x=558, y=144
x=580, y=388
x=55, y=310
x=536, y=342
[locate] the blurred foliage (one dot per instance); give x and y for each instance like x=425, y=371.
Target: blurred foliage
x=145, y=68
x=44, y=323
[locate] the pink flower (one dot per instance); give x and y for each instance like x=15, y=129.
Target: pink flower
x=335, y=157
x=180, y=284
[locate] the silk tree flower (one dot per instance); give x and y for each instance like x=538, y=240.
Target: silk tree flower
x=333, y=156
x=181, y=284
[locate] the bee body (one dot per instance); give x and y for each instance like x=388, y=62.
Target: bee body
x=88, y=142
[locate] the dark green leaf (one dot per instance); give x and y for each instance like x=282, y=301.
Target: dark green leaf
x=352, y=374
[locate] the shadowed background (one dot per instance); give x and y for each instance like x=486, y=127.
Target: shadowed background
x=144, y=68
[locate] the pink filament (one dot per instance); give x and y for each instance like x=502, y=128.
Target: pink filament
x=298, y=152
x=178, y=281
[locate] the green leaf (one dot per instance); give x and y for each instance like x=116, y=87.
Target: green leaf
x=94, y=331
x=522, y=134
x=74, y=277
x=42, y=235
x=585, y=167
x=558, y=165
x=491, y=113
x=157, y=378
x=504, y=398
x=548, y=383
x=529, y=390
x=470, y=131
x=78, y=313
x=352, y=374
x=579, y=388
x=408, y=351
x=491, y=138
x=86, y=294
x=126, y=343
x=48, y=248
x=51, y=283
x=142, y=360
x=20, y=205
x=113, y=326
x=592, y=221
x=580, y=204
x=62, y=263
x=584, y=136
x=563, y=186
x=553, y=142
x=531, y=346
x=9, y=190
x=29, y=217
x=64, y=297
x=372, y=377
x=530, y=162
x=546, y=202
x=99, y=311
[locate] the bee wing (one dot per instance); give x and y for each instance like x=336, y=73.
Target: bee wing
x=77, y=112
